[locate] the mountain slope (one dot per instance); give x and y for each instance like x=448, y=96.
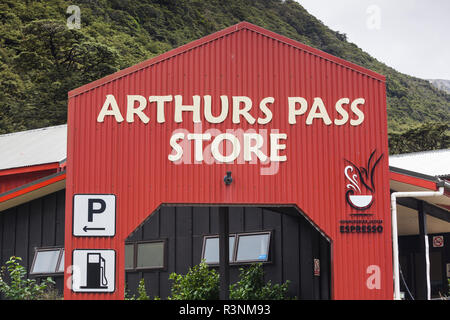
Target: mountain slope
x=41, y=59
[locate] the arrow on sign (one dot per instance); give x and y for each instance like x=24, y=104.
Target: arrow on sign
x=96, y=229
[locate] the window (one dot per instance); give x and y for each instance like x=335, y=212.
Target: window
x=47, y=261
x=253, y=247
x=129, y=256
x=211, y=249
x=145, y=255
x=61, y=262
x=244, y=247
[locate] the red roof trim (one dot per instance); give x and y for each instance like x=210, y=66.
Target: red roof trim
x=418, y=182
x=32, y=186
x=39, y=167
x=215, y=36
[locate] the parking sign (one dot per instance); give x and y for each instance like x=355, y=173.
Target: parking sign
x=94, y=215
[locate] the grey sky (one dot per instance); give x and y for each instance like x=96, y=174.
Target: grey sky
x=412, y=36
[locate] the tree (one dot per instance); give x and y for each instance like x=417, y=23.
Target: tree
x=51, y=61
x=429, y=136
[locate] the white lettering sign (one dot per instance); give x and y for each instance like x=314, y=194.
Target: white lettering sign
x=225, y=147
x=242, y=109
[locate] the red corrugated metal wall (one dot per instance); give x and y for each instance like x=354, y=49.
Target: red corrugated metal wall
x=130, y=159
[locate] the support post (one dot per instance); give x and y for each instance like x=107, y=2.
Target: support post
x=424, y=285
x=224, y=256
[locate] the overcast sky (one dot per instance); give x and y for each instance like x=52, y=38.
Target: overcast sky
x=412, y=36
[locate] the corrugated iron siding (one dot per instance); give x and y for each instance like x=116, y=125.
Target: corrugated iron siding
x=130, y=160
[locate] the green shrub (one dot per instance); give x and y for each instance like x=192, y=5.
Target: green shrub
x=200, y=283
x=448, y=294
x=142, y=293
x=251, y=286
x=21, y=288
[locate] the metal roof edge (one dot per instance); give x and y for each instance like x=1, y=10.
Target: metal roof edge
x=30, y=184
x=401, y=155
x=436, y=179
x=32, y=130
x=30, y=168
x=414, y=174
x=215, y=36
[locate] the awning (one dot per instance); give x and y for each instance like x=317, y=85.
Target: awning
x=436, y=208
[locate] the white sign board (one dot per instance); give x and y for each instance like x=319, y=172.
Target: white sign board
x=94, y=215
x=93, y=270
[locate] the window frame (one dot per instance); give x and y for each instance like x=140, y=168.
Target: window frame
x=253, y=234
x=58, y=262
x=237, y=235
x=206, y=237
x=135, y=255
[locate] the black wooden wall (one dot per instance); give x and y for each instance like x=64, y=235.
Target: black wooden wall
x=294, y=245
x=414, y=273
x=38, y=223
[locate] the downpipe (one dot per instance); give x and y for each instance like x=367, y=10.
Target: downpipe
x=441, y=184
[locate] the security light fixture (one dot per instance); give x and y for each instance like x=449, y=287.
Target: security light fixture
x=228, y=179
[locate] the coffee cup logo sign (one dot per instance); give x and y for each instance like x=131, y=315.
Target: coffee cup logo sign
x=361, y=186
x=239, y=109
x=360, y=196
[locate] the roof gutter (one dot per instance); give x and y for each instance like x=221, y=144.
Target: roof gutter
x=441, y=185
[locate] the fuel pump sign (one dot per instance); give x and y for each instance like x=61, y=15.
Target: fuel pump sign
x=94, y=215
x=93, y=270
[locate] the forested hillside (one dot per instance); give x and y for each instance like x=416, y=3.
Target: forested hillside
x=41, y=59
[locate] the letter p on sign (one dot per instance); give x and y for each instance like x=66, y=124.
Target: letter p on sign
x=92, y=211
x=94, y=215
